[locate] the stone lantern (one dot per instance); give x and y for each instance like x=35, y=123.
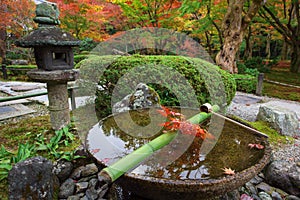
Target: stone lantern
x=54, y=58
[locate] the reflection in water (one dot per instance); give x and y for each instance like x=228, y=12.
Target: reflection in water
x=231, y=150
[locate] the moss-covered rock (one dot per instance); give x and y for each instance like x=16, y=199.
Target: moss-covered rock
x=179, y=81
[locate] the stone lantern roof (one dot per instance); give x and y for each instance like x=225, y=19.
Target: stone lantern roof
x=48, y=36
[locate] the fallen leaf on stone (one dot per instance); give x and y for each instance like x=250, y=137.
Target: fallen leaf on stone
x=93, y=151
x=257, y=146
x=246, y=197
x=105, y=160
x=228, y=171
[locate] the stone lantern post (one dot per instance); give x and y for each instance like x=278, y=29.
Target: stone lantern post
x=54, y=58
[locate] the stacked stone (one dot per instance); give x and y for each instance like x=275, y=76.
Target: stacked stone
x=80, y=183
x=34, y=178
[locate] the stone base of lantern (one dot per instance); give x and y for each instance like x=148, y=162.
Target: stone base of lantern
x=57, y=93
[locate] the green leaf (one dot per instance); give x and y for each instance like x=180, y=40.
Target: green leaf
x=5, y=166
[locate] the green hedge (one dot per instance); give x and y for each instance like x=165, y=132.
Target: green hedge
x=167, y=69
x=245, y=83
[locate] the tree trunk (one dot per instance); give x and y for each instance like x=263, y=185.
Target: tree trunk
x=284, y=50
x=234, y=26
x=2, y=45
x=248, y=49
x=268, y=46
x=295, y=58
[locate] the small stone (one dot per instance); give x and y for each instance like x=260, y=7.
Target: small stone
x=264, y=196
x=264, y=187
x=292, y=197
x=91, y=194
x=67, y=188
x=63, y=169
x=256, y=180
x=81, y=186
x=250, y=187
x=84, y=198
x=89, y=170
x=87, y=179
x=103, y=190
x=73, y=197
x=255, y=197
x=92, y=183
x=143, y=97
x=76, y=174
x=276, y=196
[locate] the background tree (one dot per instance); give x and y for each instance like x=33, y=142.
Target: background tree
x=235, y=23
x=83, y=18
x=16, y=20
x=202, y=22
x=148, y=13
x=284, y=16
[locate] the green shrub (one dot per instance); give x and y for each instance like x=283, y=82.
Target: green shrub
x=245, y=83
x=120, y=68
x=78, y=58
x=87, y=44
x=241, y=68
x=257, y=63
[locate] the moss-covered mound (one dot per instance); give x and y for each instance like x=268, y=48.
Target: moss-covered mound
x=179, y=81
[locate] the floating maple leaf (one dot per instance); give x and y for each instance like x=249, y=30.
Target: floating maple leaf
x=257, y=146
x=176, y=121
x=228, y=171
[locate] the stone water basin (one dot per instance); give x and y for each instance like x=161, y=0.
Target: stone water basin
x=183, y=169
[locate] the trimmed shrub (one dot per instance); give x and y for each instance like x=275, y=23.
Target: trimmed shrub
x=167, y=75
x=78, y=58
x=245, y=83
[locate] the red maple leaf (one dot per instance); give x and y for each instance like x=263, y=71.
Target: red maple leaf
x=176, y=121
x=257, y=146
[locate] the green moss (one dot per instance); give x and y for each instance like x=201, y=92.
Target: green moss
x=24, y=131
x=4, y=190
x=274, y=137
x=282, y=92
x=21, y=66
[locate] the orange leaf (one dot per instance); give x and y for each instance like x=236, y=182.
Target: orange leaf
x=228, y=171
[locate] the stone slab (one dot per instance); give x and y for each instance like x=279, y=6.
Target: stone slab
x=7, y=87
x=241, y=99
x=16, y=110
x=20, y=101
x=22, y=88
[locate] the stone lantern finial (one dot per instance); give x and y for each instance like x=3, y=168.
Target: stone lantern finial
x=47, y=14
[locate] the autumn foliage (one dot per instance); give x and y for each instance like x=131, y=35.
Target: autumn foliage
x=176, y=121
x=16, y=16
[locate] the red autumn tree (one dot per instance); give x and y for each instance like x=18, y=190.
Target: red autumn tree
x=16, y=20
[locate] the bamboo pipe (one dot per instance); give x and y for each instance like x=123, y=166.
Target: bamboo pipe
x=242, y=125
x=130, y=161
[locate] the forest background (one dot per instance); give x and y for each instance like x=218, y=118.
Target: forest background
x=232, y=31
